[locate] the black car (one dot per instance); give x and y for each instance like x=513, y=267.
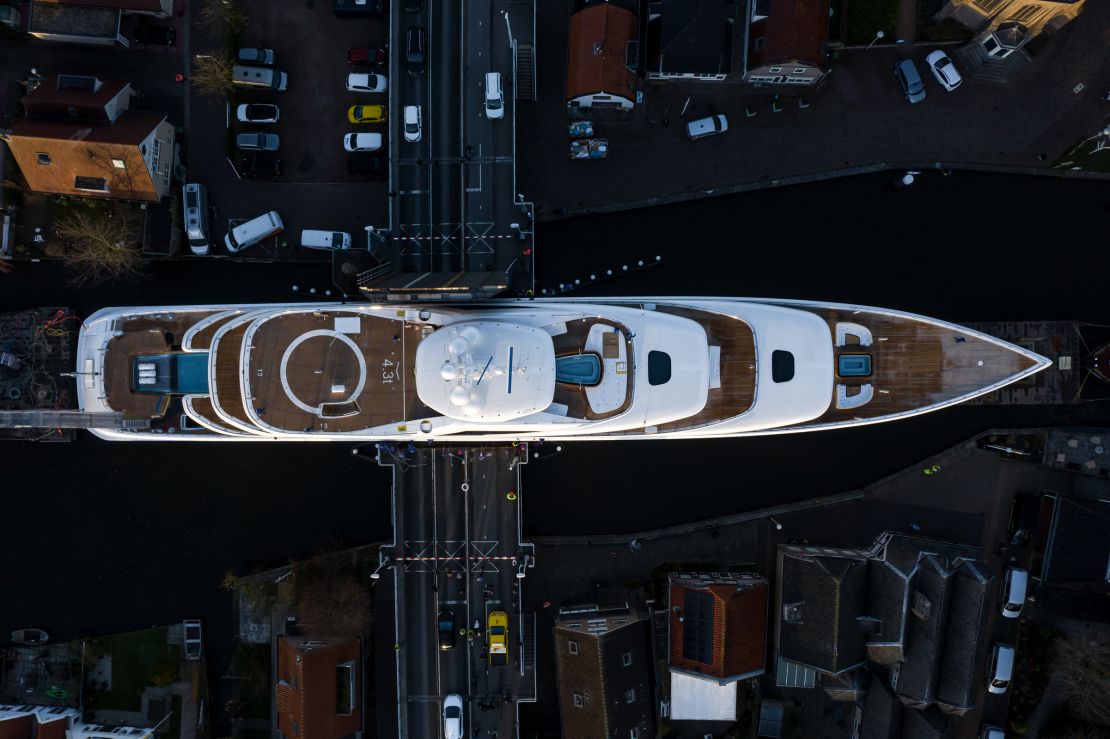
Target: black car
x=261, y=165
x=358, y=8
x=368, y=164
x=446, y=621
x=1023, y=518
x=414, y=51
x=153, y=35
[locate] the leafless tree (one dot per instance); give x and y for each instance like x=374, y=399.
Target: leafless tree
x=334, y=604
x=99, y=247
x=212, y=76
x=1082, y=666
x=218, y=14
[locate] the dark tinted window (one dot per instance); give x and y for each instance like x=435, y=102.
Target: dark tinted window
x=659, y=368
x=782, y=366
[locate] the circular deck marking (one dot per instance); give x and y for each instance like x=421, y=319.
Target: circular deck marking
x=311, y=335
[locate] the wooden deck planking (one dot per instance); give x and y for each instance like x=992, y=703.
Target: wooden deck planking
x=202, y=340
x=175, y=326
x=574, y=396
x=121, y=350
x=229, y=395
x=202, y=406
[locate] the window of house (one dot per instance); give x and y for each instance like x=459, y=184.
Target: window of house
x=99, y=184
x=1026, y=13
x=119, y=164
x=578, y=700
x=296, y=729
x=572, y=647
x=42, y=157
x=799, y=70
x=626, y=659
x=776, y=70
x=345, y=688
x=630, y=696
x=988, y=5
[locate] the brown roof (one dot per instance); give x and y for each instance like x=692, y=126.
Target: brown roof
x=734, y=642
x=29, y=726
x=86, y=149
x=48, y=99
x=598, y=48
x=795, y=30
x=307, y=694
x=154, y=6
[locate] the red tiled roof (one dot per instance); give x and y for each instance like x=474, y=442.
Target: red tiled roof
x=18, y=727
x=739, y=628
x=307, y=690
x=153, y=6
x=607, y=28
x=795, y=30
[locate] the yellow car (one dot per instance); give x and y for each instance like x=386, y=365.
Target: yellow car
x=366, y=114
x=497, y=633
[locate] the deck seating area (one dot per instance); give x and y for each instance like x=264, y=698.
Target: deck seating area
x=611, y=394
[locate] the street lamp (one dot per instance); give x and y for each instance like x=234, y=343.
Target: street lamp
x=878, y=35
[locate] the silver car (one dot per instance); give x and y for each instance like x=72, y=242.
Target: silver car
x=258, y=141
x=912, y=85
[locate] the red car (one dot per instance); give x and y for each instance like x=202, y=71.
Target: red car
x=366, y=57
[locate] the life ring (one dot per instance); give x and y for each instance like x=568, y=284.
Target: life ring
x=510, y=496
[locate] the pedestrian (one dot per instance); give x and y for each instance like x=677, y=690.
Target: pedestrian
x=397, y=646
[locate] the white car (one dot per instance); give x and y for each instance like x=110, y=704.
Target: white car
x=944, y=70
x=453, y=717
x=1012, y=593
x=495, y=98
x=257, y=113
x=362, y=141
x=414, y=124
x=366, y=82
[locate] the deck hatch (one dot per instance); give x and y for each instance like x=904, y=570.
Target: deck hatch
x=853, y=365
x=177, y=373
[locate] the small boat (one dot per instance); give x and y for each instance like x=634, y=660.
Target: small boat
x=581, y=129
x=30, y=637
x=589, y=148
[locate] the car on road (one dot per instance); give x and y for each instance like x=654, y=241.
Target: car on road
x=1023, y=518
x=703, y=127
x=153, y=34
x=194, y=641
x=1000, y=668
x=913, y=88
x=258, y=141
x=944, y=70
x=415, y=51
x=363, y=82
x=495, y=97
x=368, y=164
x=414, y=124
x=256, y=55
x=367, y=56
x=257, y=113
x=453, y=716
x=362, y=141
x=1011, y=594
x=366, y=114
x=497, y=636
x=446, y=622
x=260, y=165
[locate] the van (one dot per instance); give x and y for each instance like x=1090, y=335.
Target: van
x=9, y=16
x=260, y=77
x=1000, y=668
x=495, y=98
x=253, y=231
x=703, y=127
x=195, y=209
x=1012, y=594
x=313, y=239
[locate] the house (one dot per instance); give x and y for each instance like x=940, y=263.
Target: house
x=694, y=40
x=58, y=722
x=604, y=670
x=1077, y=548
x=786, y=42
x=602, y=57
x=318, y=686
x=959, y=669
x=98, y=22
x=718, y=636
x=80, y=138
x=1006, y=31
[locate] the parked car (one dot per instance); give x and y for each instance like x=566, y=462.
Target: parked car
x=312, y=238
x=261, y=165
x=913, y=88
x=1023, y=518
x=195, y=213
x=1000, y=668
x=263, y=78
x=368, y=164
x=152, y=34
x=253, y=231
x=495, y=97
x=256, y=55
x=944, y=70
x=453, y=716
x=362, y=82
x=990, y=731
x=362, y=141
x=446, y=621
x=1012, y=592
x=257, y=113
x=415, y=51
x=497, y=635
x=414, y=124
x=367, y=56
x=258, y=141
x=193, y=639
x=366, y=114
x=703, y=127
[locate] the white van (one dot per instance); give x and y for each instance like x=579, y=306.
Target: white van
x=495, y=98
x=313, y=239
x=263, y=77
x=703, y=127
x=1000, y=668
x=1011, y=596
x=253, y=231
x=194, y=207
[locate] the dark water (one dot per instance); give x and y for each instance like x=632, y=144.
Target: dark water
x=102, y=537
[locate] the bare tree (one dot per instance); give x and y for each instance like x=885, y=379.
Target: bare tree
x=99, y=247
x=212, y=76
x=334, y=604
x=223, y=14
x=1082, y=666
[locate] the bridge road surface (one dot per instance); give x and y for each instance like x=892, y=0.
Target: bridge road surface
x=412, y=175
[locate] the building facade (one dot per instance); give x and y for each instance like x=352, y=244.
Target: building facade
x=318, y=688
x=786, y=42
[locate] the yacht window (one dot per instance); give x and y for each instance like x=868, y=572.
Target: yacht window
x=782, y=366
x=659, y=368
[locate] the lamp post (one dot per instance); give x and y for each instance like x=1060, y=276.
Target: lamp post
x=878, y=35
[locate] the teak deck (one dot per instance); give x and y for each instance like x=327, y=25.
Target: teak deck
x=574, y=396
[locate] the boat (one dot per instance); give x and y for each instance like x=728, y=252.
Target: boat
x=589, y=148
x=580, y=129
x=559, y=368
x=30, y=637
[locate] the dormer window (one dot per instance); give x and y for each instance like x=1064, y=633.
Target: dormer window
x=42, y=158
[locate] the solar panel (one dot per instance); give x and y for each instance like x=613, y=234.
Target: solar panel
x=697, y=627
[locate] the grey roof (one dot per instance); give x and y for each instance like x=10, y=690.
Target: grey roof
x=831, y=588
x=882, y=711
x=963, y=638
x=888, y=601
x=927, y=724
x=1077, y=556
x=695, y=36
x=916, y=678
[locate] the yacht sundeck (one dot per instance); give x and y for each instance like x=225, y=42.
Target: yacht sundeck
x=518, y=370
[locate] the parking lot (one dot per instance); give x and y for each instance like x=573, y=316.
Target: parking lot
x=315, y=189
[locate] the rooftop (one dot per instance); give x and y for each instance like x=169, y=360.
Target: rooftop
x=692, y=36
x=598, y=51
x=718, y=624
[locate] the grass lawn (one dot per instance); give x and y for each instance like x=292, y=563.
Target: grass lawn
x=139, y=659
x=865, y=17
x=1082, y=156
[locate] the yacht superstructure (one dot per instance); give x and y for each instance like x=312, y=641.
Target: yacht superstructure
x=518, y=370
